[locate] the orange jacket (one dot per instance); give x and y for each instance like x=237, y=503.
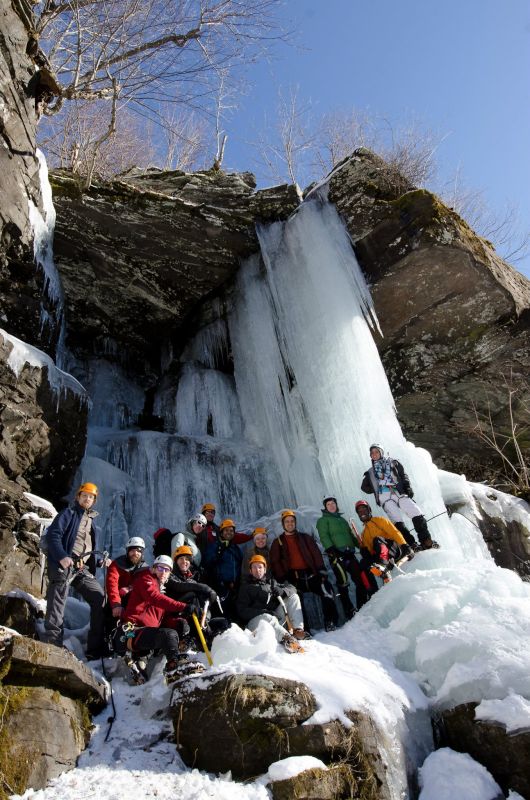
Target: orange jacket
x=380, y=526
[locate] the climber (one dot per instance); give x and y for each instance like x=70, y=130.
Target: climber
x=381, y=542
x=257, y=547
x=388, y=481
x=122, y=573
x=295, y=558
x=263, y=599
x=194, y=527
x=222, y=560
x=210, y=532
x=183, y=585
x=339, y=543
x=141, y=631
x=71, y=542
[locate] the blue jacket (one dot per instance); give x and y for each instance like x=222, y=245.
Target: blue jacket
x=223, y=561
x=61, y=534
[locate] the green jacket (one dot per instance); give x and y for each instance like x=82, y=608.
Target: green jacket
x=334, y=531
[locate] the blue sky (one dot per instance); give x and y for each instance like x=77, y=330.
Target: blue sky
x=460, y=67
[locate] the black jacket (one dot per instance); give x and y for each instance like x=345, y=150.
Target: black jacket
x=262, y=597
x=370, y=484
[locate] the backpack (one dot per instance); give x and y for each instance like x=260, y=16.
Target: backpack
x=162, y=543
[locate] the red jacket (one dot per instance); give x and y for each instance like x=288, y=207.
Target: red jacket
x=280, y=557
x=120, y=577
x=147, y=605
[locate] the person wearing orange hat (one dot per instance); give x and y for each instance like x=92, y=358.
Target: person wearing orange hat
x=263, y=599
x=295, y=557
x=71, y=542
x=222, y=562
x=257, y=547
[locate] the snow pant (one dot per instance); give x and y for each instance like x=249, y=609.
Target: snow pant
x=89, y=589
x=305, y=581
x=143, y=640
x=279, y=630
x=364, y=581
x=395, y=505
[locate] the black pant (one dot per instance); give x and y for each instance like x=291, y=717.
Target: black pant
x=164, y=640
x=305, y=581
x=364, y=581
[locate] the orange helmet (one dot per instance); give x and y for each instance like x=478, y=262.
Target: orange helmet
x=258, y=560
x=227, y=523
x=183, y=550
x=208, y=507
x=288, y=512
x=89, y=488
x=259, y=532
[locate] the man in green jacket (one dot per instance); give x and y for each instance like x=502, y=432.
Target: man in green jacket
x=339, y=543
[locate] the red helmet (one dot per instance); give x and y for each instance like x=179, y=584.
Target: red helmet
x=361, y=503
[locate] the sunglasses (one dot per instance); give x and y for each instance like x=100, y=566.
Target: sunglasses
x=161, y=568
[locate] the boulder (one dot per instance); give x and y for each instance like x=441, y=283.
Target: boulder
x=336, y=783
x=17, y=614
x=26, y=662
x=255, y=720
x=455, y=318
x=506, y=756
x=43, y=733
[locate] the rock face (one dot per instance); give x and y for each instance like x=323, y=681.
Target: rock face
x=454, y=316
x=137, y=256
x=506, y=756
x=43, y=416
x=21, y=282
x=254, y=720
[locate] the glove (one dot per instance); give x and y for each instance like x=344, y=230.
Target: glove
x=192, y=607
x=213, y=597
x=276, y=591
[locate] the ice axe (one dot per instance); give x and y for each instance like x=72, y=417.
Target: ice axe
x=202, y=639
x=287, y=618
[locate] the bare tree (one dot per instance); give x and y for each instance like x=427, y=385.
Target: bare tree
x=508, y=443
x=150, y=50
x=283, y=147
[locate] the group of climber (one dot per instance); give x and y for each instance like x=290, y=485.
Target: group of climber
x=164, y=607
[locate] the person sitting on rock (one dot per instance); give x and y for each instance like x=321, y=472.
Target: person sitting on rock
x=222, y=561
x=141, y=628
x=295, y=558
x=257, y=547
x=262, y=599
x=194, y=527
x=388, y=481
x=122, y=573
x=183, y=586
x=382, y=545
x=340, y=545
x=71, y=542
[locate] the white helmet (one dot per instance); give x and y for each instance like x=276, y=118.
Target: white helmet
x=197, y=518
x=135, y=541
x=165, y=560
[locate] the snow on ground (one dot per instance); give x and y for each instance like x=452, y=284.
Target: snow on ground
x=440, y=633
x=447, y=775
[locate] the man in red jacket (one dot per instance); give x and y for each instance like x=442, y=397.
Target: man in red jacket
x=122, y=573
x=140, y=631
x=295, y=558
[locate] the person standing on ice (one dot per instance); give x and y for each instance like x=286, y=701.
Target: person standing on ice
x=121, y=574
x=222, y=560
x=71, y=542
x=295, y=558
x=194, y=527
x=147, y=610
x=388, y=481
x=211, y=530
x=339, y=543
x=263, y=599
x=381, y=542
x=257, y=547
